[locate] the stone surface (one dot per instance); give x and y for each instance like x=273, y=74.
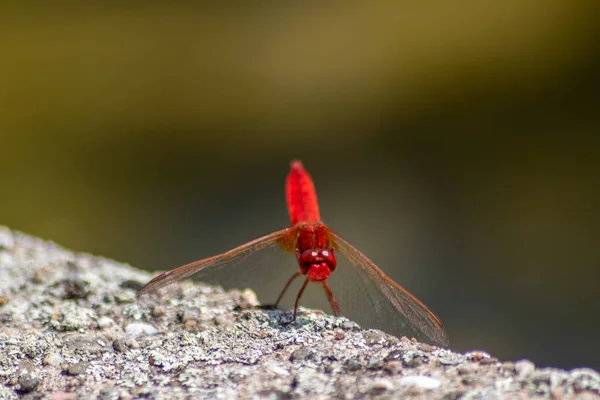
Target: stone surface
x=70, y=328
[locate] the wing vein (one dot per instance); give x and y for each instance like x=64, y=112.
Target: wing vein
x=408, y=306
x=184, y=271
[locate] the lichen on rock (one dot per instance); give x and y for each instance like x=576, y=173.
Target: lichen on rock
x=70, y=327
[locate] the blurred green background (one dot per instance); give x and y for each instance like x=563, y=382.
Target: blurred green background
x=455, y=144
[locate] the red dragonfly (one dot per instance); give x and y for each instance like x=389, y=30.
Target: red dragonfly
x=373, y=299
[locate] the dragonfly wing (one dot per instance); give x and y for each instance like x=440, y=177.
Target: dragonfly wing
x=241, y=267
x=368, y=296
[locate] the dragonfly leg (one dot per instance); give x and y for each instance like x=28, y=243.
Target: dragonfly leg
x=334, y=304
x=300, y=295
x=285, y=288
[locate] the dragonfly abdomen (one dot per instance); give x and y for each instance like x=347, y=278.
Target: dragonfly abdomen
x=301, y=195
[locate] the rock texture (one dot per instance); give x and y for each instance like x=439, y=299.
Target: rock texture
x=70, y=328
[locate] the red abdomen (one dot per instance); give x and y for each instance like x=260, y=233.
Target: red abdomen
x=301, y=195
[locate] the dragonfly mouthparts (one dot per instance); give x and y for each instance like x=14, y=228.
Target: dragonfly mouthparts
x=318, y=272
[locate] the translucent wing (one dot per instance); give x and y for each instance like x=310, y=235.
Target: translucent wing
x=236, y=274
x=379, y=302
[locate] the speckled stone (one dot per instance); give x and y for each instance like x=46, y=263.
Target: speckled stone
x=140, y=329
x=71, y=328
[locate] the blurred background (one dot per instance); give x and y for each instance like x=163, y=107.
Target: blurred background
x=455, y=145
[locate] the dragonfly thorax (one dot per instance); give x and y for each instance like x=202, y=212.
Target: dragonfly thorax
x=316, y=264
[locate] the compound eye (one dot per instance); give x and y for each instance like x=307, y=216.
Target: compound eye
x=306, y=260
x=328, y=258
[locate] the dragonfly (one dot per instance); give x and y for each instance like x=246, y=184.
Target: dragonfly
x=366, y=293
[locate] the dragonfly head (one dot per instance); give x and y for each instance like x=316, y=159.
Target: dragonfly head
x=316, y=264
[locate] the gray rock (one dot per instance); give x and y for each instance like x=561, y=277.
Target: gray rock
x=379, y=385
x=71, y=328
x=6, y=238
x=105, y=322
x=53, y=359
x=140, y=329
x=27, y=384
x=188, y=314
x=76, y=369
x=524, y=368
x=419, y=381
